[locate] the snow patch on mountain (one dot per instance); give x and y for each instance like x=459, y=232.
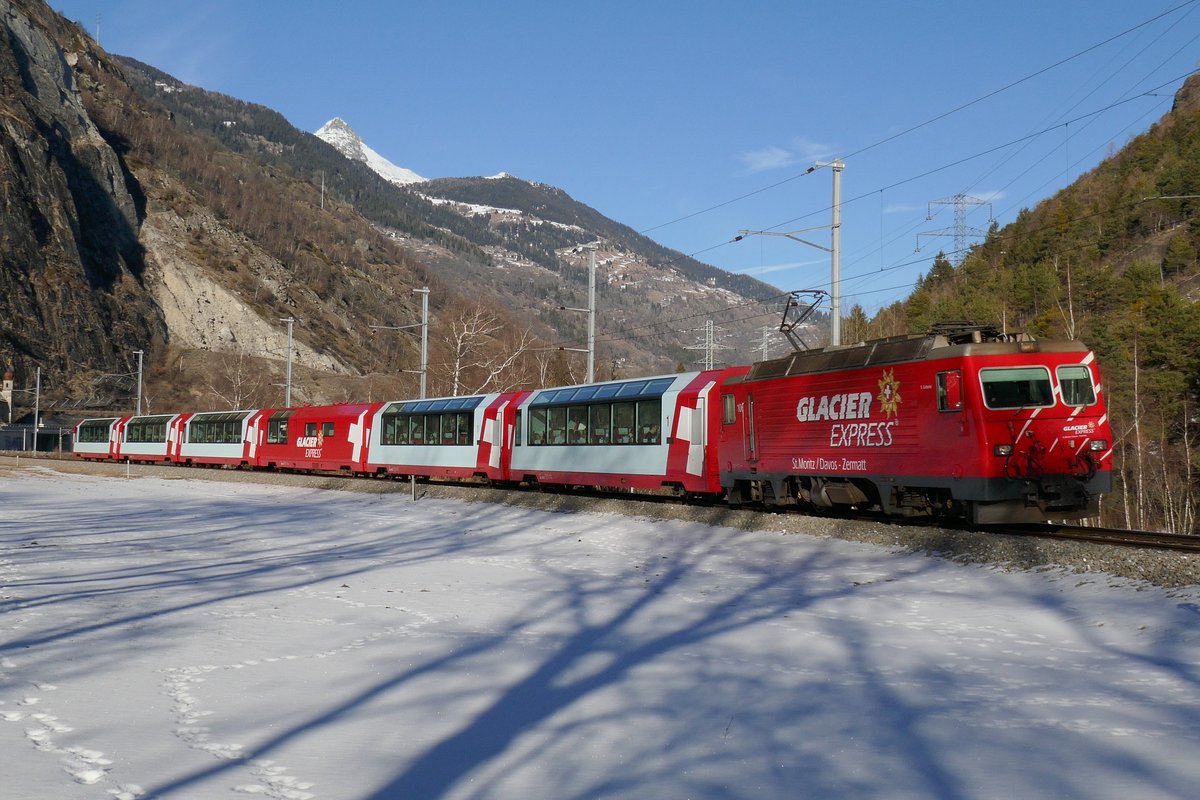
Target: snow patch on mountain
x=342, y=137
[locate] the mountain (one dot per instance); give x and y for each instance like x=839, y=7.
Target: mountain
x=144, y=214
x=75, y=284
x=510, y=241
x=343, y=138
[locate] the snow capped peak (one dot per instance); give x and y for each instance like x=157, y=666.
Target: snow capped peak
x=337, y=123
x=338, y=133
x=502, y=176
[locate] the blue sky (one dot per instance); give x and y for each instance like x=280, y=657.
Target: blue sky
x=656, y=112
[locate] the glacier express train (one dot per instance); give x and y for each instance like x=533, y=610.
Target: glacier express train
x=989, y=427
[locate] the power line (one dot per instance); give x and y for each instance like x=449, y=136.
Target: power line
x=988, y=151
x=929, y=121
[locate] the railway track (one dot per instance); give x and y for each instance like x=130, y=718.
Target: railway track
x=1149, y=540
x=1183, y=542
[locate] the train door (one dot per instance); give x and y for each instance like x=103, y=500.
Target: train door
x=748, y=430
x=115, y=434
x=697, y=437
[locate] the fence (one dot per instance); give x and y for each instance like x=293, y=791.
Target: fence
x=49, y=440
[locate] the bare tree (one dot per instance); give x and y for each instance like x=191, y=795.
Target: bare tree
x=478, y=359
x=1068, y=313
x=238, y=384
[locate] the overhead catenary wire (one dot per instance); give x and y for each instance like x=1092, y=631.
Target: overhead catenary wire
x=979, y=154
x=927, y=122
x=1038, y=229
x=619, y=336
x=629, y=334
x=933, y=171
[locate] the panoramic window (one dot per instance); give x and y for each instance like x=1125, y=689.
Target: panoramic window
x=446, y=421
x=217, y=428
x=599, y=414
x=95, y=430
x=145, y=430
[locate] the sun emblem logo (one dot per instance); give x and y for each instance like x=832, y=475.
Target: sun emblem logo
x=889, y=394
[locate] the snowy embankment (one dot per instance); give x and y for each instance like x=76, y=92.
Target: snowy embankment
x=189, y=639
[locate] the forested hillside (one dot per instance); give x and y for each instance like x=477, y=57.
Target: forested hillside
x=1111, y=260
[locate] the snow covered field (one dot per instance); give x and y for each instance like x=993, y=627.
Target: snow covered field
x=188, y=639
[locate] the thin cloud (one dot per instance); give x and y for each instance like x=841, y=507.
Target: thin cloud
x=808, y=151
x=767, y=158
x=765, y=270
x=771, y=157
x=902, y=208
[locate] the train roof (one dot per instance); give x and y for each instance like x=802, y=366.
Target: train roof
x=949, y=342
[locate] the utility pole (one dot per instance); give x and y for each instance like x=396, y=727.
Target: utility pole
x=766, y=330
x=960, y=230
x=139, y=392
x=424, y=326
x=287, y=395
x=591, y=312
x=834, y=249
x=835, y=253
x=424, y=292
x=591, y=356
x=710, y=346
x=6, y=393
x=37, y=407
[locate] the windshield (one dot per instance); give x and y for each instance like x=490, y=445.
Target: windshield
x=1016, y=387
x=1076, y=384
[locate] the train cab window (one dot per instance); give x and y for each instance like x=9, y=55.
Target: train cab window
x=327, y=429
x=310, y=429
x=1016, y=387
x=728, y=409
x=949, y=390
x=1076, y=384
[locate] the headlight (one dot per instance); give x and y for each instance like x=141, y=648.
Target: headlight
x=1002, y=450
x=1097, y=445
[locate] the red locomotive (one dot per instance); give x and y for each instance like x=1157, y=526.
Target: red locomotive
x=962, y=422
x=965, y=422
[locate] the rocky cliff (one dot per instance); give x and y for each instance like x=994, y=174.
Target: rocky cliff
x=73, y=277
